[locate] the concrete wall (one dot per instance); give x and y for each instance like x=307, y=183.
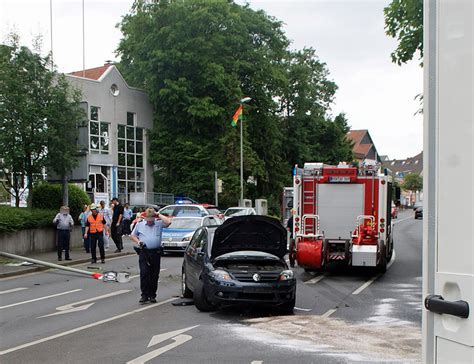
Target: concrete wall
x=31, y=241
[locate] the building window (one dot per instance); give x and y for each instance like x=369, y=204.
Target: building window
x=131, y=176
x=98, y=133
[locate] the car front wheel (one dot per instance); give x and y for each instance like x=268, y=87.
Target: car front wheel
x=288, y=307
x=200, y=299
x=185, y=291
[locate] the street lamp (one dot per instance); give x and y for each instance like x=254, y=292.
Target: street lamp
x=242, y=101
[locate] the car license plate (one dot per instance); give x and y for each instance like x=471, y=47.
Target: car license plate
x=170, y=244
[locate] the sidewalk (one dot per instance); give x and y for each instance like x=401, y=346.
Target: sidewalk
x=78, y=256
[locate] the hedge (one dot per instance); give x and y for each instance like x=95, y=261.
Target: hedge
x=19, y=218
x=49, y=196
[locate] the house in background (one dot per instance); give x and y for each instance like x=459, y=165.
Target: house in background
x=364, y=147
x=119, y=117
x=402, y=167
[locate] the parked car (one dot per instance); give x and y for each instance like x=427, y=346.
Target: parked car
x=419, y=213
x=238, y=211
x=190, y=210
x=176, y=236
x=241, y=261
x=394, y=211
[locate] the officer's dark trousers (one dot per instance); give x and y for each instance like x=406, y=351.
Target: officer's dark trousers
x=63, y=243
x=94, y=239
x=149, y=262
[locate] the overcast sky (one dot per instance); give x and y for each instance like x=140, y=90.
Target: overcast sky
x=348, y=35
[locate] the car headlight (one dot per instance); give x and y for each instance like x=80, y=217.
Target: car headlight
x=220, y=275
x=286, y=275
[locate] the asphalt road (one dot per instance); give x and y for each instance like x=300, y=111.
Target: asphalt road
x=341, y=316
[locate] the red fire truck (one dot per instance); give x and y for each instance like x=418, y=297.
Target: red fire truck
x=341, y=213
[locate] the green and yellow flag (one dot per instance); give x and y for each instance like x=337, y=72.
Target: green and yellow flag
x=237, y=116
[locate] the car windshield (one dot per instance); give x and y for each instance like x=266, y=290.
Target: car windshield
x=213, y=211
x=178, y=223
x=235, y=212
x=187, y=211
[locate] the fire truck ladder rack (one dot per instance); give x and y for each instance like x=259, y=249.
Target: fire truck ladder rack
x=360, y=222
x=304, y=226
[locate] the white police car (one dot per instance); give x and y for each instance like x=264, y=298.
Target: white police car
x=176, y=236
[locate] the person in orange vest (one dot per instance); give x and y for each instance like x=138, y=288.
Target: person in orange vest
x=95, y=226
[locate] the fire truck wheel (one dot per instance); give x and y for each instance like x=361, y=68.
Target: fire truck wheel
x=382, y=266
x=347, y=252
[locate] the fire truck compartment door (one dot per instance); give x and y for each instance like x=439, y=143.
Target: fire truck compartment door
x=338, y=206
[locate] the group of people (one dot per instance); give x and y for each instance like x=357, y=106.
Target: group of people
x=98, y=222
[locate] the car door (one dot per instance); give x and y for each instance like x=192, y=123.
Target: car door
x=190, y=256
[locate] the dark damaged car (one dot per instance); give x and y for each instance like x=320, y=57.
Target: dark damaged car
x=240, y=262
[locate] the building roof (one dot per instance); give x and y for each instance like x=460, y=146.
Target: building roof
x=403, y=167
x=363, y=143
x=92, y=73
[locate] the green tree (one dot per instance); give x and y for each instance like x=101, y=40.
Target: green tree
x=38, y=116
x=197, y=60
x=404, y=21
x=412, y=182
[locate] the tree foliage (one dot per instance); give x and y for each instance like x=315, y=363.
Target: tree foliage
x=412, y=182
x=404, y=21
x=38, y=115
x=197, y=60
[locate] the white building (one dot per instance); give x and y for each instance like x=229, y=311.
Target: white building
x=119, y=118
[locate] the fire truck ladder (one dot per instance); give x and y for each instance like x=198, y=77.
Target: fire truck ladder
x=309, y=231
x=309, y=202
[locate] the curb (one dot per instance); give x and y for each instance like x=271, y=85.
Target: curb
x=64, y=263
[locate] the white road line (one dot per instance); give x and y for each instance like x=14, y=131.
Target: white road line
x=303, y=309
x=257, y=362
x=13, y=290
x=178, y=340
x=366, y=284
x=329, y=312
x=77, y=329
x=41, y=298
x=315, y=280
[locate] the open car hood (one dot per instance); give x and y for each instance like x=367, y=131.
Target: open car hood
x=250, y=232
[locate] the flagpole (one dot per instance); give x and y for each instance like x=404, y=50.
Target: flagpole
x=241, y=159
x=243, y=101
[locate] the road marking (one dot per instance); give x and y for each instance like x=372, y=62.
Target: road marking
x=41, y=298
x=257, y=362
x=155, y=340
x=303, y=309
x=178, y=340
x=13, y=290
x=69, y=308
x=366, y=284
x=329, y=312
x=85, y=327
x=315, y=280
x=399, y=221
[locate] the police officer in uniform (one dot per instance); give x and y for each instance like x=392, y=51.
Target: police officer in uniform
x=147, y=235
x=96, y=225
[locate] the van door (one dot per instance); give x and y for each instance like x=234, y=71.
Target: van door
x=448, y=243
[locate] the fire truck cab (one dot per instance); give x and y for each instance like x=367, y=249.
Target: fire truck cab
x=342, y=213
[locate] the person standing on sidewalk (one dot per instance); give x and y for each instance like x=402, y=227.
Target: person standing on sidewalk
x=107, y=214
x=116, y=227
x=64, y=223
x=95, y=226
x=127, y=219
x=83, y=219
x=147, y=236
